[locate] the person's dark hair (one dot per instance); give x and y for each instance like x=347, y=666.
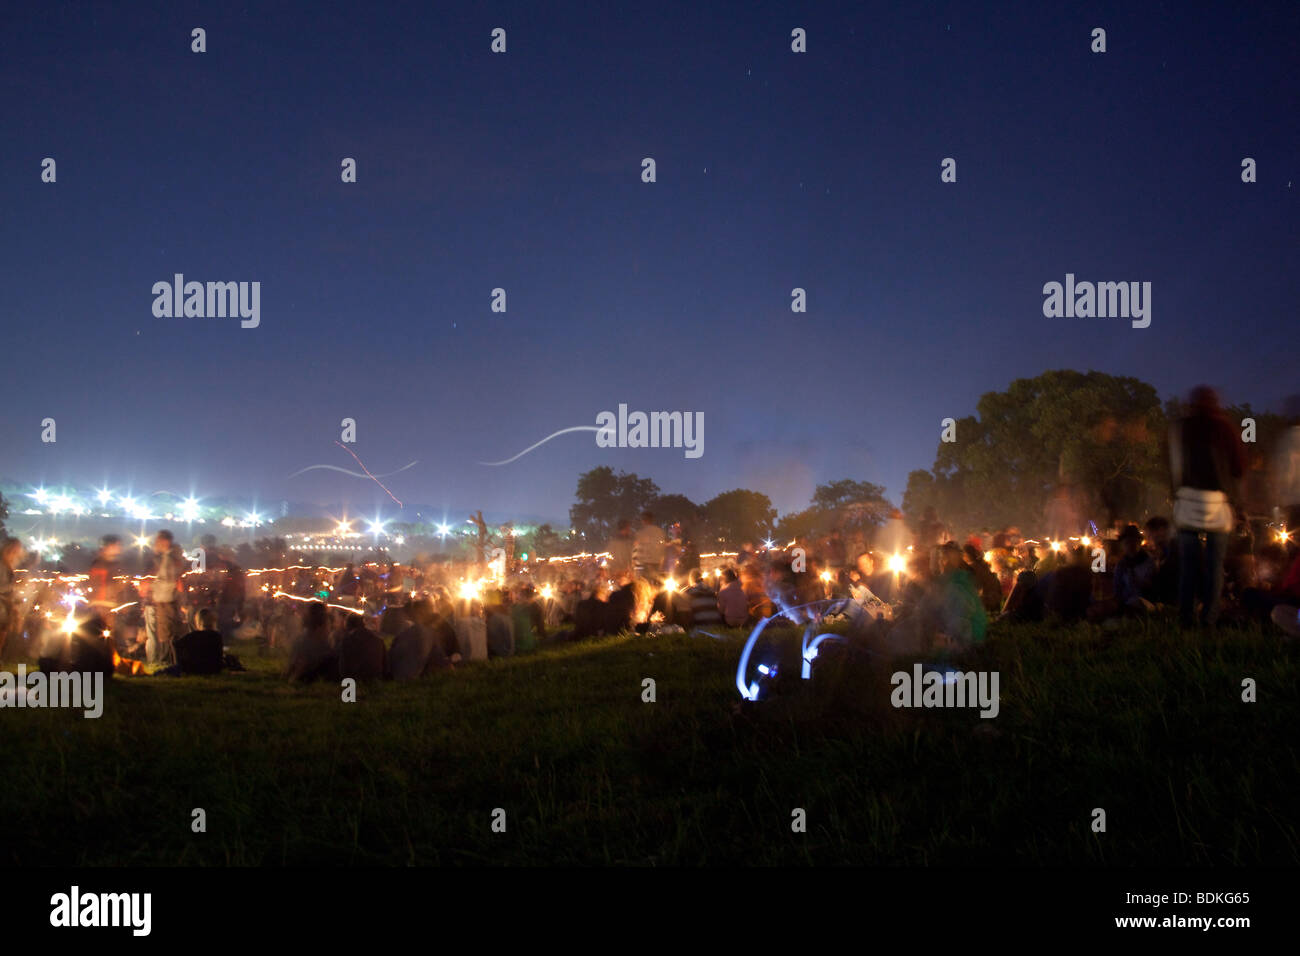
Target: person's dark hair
x=206, y=619
x=167, y=536
x=972, y=552
x=1158, y=523
x=730, y=575
x=317, y=616
x=355, y=622
x=420, y=610
x=109, y=540
x=1204, y=399
x=696, y=576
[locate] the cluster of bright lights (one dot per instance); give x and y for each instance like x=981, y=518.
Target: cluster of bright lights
x=190, y=510
x=897, y=563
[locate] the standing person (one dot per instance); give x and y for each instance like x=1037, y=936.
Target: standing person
x=1206, y=461
x=103, y=571
x=1286, y=468
x=230, y=596
x=648, y=549
x=620, y=549
x=11, y=555
x=931, y=533
x=165, y=591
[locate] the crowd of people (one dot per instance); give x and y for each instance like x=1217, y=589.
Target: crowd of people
x=911, y=590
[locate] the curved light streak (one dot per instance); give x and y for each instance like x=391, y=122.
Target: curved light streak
x=354, y=474
x=562, y=431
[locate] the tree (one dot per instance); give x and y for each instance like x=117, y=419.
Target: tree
x=673, y=509
x=846, y=505
x=604, y=497
x=542, y=542
x=4, y=513
x=1093, y=438
x=738, y=516
x=922, y=492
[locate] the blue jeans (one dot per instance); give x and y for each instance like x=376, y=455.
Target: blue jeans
x=1200, y=575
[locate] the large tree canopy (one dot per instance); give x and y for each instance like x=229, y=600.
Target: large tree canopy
x=1096, y=439
x=604, y=498
x=737, y=516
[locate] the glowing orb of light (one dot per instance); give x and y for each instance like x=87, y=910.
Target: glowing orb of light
x=897, y=563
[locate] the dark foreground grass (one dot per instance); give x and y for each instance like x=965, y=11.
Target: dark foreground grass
x=1147, y=724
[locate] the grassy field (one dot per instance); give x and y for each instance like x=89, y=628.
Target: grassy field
x=1145, y=723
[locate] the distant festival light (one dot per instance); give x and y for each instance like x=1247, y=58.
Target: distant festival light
x=897, y=563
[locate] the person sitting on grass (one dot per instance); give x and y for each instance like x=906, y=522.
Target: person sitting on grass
x=497, y=623
x=361, y=651
x=702, y=602
x=312, y=658
x=528, y=620
x=200, y=651
x=1067, y=591
x=962, y=619
x=733, y=603
x=417, y=651
x=620, y=607
x=589, y=615
x=1135, y=574
x=1025, y=602
x=986, y=580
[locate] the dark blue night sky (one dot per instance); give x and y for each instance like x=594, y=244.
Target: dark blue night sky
x=522, y=171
